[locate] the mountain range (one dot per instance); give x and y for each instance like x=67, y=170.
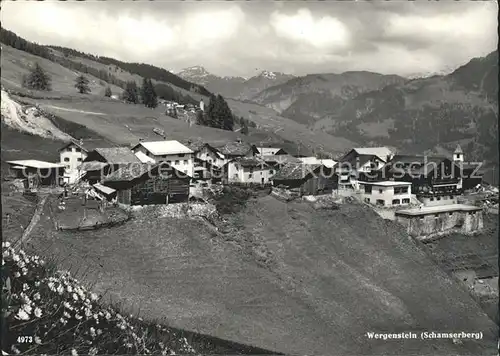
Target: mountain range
x=234, y=87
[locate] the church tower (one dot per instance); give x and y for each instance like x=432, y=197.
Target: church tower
x=458, y=155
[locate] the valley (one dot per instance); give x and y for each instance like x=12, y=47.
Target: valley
x=238, y=269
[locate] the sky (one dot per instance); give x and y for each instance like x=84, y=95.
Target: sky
x=243, y=38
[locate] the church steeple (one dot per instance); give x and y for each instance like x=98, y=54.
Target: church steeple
x=458, y=155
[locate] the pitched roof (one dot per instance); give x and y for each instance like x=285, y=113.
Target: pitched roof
x=381, y=152
x=92, y=166
x=282, y=159
x=34, y=163
x=294, y=171
x=358, y=161
x=118, y=155
x=414, y=164
x=89, y=144
x=129, y=172
x=251, y=162
x=269, y=150
x=458, y=149
x=171, y=147
x=232, y=148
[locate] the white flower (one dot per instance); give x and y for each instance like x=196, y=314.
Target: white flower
x=88, y=312
x=24, y=271
x=92, y=332
x=15, y=349
x=60, y=289
x=93, y=351
x=27, y=308
x=108, y=315
x=37, y=284
x=15, y=258
x=6, y=244
x=66, y=315
x=75, y=297
x=36, y=296
x=17, y=274
x=99, y=331
x=93, y=296
x=73, y=352
x=78, y=317
x=37, y=339
x=69, y=289
x=22, y=315
x=51, y=286
x=25, y=287
x=38, y=312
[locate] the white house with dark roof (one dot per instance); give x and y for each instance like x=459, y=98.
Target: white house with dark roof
x=249, y=170
x=74, y=153
x=172, y=152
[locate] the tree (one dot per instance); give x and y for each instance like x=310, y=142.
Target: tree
x=244, y=128
x=131, y=94
x=201, y=118
x=148, y=94
x=219, y=114
x=82, y=85
x=38, y=79
x=108, y=93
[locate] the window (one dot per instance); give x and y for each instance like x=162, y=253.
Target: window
x=78, y=150
x=249, y=175
x=421, y=218
x=450, y=213
x=406, y=201
x=181, y=155
x=169, y=162
x=79, y=159
x=432, y=198
x=380, y=202
x=368, y=189
x=451, y=196
x=380, y=191
x=438, y=198
x=177, y=161
x=271, y=171
x=66, y=159
x=185, y=161
x=367, y=200
x=395, y=202
x=436, y=216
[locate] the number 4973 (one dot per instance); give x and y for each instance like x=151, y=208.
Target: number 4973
x=25, y=339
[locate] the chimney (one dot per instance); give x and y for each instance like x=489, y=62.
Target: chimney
x=81, y=142
x=238, y=140
x=141, y=140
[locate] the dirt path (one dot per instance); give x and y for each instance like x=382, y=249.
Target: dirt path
x=34, y=220
x=74, y=110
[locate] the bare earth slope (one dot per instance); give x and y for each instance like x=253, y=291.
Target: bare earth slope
x=330, y=277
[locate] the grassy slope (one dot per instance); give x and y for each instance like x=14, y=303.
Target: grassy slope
x=268, y=120
x=63, y=101
x=329, y=280
x=15, y=63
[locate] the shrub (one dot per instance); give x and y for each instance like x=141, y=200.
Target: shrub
x=57, y=315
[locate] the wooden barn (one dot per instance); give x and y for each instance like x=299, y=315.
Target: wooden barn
x=146, y=184
x=308, y=180
x=37, y=174
x=101, y=162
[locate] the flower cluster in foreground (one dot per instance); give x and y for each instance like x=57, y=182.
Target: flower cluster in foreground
x=51, y=313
